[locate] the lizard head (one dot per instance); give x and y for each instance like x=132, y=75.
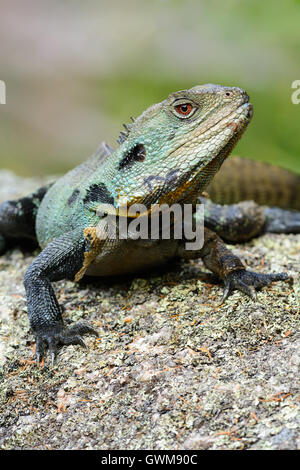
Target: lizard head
x=173, y=149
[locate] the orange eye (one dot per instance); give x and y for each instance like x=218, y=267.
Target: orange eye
x=185, y=109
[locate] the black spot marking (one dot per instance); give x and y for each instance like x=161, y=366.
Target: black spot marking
x=151, y=178
x=73, y=197
x=98, y=193
x=17, y=218
x=136, y=154
x=171, y=176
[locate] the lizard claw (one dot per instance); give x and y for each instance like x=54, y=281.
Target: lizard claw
x=53, y=358
x=227, y=291
x=249, y=281
x=54, y=337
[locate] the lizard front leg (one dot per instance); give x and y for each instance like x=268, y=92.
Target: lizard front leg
x=61, y=259
x=227, y=266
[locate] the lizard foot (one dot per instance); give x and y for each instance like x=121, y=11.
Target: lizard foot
x=249, y=281
x=56, y=336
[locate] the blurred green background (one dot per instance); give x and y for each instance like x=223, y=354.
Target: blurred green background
x=75, y=71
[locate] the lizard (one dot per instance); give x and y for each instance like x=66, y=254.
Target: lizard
x=169, y=154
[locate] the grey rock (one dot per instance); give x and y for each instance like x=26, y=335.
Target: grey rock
x=170, y=369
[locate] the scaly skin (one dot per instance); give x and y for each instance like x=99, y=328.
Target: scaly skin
x=168, y=155
x=241, y=179
x=181, y=156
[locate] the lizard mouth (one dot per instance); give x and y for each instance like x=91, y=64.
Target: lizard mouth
x=243, y=113
x=247, y=109
x=237, y=118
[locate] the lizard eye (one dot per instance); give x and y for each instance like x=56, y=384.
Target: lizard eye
x=184, y=109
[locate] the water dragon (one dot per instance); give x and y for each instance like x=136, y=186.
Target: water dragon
x=169, y=154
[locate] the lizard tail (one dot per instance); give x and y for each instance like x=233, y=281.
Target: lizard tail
x=240, y=179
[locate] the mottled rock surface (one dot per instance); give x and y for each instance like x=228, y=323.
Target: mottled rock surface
x=171, y=369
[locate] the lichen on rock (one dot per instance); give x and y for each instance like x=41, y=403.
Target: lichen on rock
x=170, y=369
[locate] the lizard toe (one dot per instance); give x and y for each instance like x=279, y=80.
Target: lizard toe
x=249, y=281
x=55, y=337
x=81, y=328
